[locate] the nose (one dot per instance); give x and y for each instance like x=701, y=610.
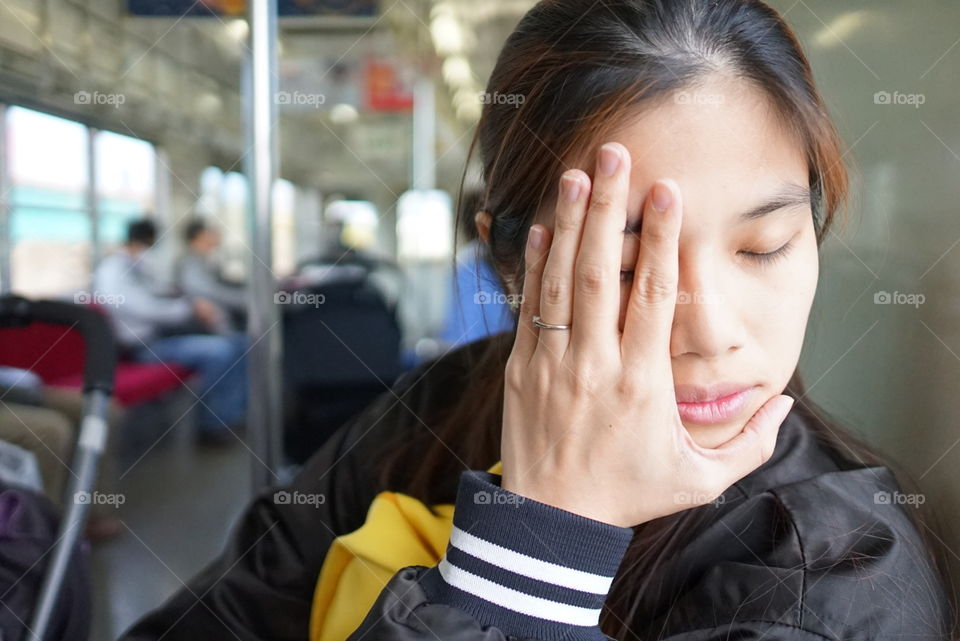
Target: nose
x=706, y=319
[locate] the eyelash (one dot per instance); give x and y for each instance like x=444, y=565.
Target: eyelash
x=766, y=259
x=763, y=259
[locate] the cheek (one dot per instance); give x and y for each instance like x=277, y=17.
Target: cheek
x=786, y=304
x=796, y=287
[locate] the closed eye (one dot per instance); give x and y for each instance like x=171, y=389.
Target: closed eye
x=768, y=258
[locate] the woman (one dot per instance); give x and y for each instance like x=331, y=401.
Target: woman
x=659, y=197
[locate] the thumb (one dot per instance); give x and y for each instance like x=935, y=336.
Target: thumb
x=754, y=445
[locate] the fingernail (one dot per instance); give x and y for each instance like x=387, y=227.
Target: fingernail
x=535, y=237
x=571, y=188
x=788, y=404
x=662, y=197
x=609, y=159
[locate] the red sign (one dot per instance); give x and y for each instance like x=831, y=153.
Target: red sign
x=389, y=87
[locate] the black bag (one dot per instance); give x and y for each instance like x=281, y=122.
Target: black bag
x=28, y=532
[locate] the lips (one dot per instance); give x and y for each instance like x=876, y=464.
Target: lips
x=712, y=404
x=701, y=393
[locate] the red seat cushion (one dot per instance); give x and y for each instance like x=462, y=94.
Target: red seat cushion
x=50, y=351
x=136, y=382
x=56, y=354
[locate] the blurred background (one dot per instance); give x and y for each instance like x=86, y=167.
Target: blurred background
x=113, y=112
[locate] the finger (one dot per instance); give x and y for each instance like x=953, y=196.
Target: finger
x=596, y=297
x=652, y=300
x=534, y=258
x=752, y=447
x=556, y=293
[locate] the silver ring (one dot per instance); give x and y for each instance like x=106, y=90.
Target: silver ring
x=539, y=323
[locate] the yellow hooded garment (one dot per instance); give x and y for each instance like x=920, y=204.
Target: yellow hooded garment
x=399, y=531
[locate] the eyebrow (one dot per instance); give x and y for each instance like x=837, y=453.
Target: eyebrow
x=789, y=195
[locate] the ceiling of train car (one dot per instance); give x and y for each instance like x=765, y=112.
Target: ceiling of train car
x=181, y=80
x=454, y=40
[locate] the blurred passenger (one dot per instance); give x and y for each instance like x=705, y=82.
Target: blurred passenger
x=348, y=256
x=198, y=275
x=478, y=306
x=42, y=431
x=149, y=327
x=102, y=522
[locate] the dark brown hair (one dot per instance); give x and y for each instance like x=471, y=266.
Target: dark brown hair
x=585, y=68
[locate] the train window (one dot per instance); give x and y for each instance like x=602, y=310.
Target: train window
x=59, y=224
x=126, y=179
x=50, y=226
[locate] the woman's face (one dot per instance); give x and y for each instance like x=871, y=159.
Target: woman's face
x=739, y=318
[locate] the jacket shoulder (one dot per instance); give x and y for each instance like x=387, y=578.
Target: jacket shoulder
x=835, y=555
x=866, y=566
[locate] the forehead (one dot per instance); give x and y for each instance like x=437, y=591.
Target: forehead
x=721, y=142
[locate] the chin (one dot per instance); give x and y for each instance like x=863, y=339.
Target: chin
x=711, y=436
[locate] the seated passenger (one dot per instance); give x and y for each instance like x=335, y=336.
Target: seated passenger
x=197, y=275
x=149, y=326
x=45, y=432
x=44, y=420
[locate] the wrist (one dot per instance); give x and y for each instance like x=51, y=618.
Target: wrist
x=560, y=497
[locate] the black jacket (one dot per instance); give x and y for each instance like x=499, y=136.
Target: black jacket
x=807, y=547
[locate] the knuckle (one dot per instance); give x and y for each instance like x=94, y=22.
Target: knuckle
x=765, y=450
x=588, y=375
x=553, y=289
x=653, y=287
x=513, y=380
x=526, y=307
x=657, y=235
x=628, y=385
x=583, y=382
x=519, y=376
x=567, y=219
x=591, y=277
x=601, y=201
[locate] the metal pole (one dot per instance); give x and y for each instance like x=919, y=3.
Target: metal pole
x=6, y=286
x=264, y=413
x=86, y=460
